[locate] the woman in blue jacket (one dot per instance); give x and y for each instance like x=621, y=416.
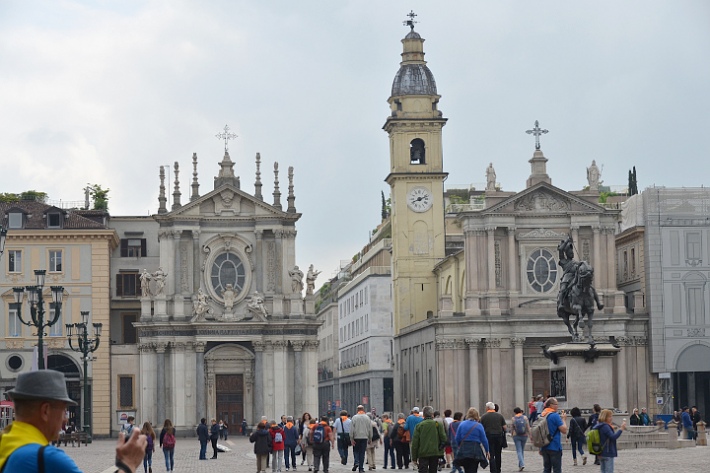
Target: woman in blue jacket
x=608, y=437
x=470, y=433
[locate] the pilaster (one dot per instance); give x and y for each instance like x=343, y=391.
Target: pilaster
x=519, y=370
x=258, y=379
x=474, y=376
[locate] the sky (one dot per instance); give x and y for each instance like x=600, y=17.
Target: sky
x=105, y=92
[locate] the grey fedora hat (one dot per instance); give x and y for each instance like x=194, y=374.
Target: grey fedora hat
x=47, y=385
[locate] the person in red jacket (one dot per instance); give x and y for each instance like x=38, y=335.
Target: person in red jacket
x=277, y=442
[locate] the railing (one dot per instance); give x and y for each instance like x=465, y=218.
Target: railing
x=469, y=207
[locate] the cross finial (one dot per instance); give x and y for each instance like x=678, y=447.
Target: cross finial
x=226, y=135
x=537, y=131
x=411, y=21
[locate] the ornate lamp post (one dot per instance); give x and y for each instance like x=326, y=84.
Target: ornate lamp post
x=36, y=301
x=3, y=236
x=86, y=346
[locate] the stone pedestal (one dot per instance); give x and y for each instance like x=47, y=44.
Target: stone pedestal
x=160, y=308
x=581, y=374
x=702, y=439
x=146, y=305
x=296, y=306
x=310, y=306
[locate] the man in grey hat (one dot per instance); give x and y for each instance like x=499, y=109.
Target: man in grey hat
x=41, y=401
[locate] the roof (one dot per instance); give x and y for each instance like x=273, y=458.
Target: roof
x=413, y=79
x=36, y=216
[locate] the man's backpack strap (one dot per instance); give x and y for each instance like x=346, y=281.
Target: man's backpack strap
x=40, y=459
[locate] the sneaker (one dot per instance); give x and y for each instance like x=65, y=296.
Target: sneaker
x=355, y=468
x=584, y=460
x=575, y=462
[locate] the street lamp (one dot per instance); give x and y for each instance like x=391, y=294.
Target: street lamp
x=36, y=301
x=86, y=346
x=3, y=237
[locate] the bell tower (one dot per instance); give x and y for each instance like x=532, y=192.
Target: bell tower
x=416, y=180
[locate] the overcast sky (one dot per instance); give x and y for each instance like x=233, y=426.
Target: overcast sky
x=105, y=92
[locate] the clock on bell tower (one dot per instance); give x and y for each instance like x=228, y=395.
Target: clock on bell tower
x=416, y=180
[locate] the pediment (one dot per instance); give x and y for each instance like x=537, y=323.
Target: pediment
x=229, y=202
x=544, y=198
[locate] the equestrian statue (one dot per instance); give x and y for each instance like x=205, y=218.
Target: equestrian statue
x=577, y=296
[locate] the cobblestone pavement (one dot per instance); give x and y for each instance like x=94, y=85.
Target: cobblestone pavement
x=98, y=458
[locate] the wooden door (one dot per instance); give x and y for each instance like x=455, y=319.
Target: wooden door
x=230, y=400
x=541, y=382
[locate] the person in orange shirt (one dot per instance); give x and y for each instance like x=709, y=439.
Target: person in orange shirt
x=323, y=441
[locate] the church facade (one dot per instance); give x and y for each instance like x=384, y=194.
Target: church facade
x=470, y=318
x=223, y=329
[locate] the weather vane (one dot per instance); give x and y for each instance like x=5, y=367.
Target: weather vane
x=537, y=131
x=411, y=21
x=226, y=136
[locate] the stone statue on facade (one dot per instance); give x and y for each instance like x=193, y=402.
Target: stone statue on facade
x=296, y=279
x=255, y=305
x=311, y=280
x=200, y=305
x=577, y=296
x=593, y=176
x=145, y=278
x=490, y=178
x=229, y=295
x=159, y=278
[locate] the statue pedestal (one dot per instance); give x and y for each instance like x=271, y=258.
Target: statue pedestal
x=146, y=305
x=581, y=374
x=160, y=306
x=310, y=306
x=296, y=306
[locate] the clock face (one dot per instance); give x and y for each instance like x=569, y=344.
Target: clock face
x=419, y=199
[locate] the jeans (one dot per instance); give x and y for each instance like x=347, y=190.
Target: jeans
x=169, y=454
x=690, y=433
x=577, y=445
x=359, y=453
x=495, y=442
x=214, y=447
x=428, y=464
x=389, y=451
x=290, y=451
x=203, y=449
x=148, y=460
x=520, y=441
x=402, y=449
x=343, y=448
x=321, y=451
x=469, y=465
x=277, y=457
x=551, y=461
x=607, y=464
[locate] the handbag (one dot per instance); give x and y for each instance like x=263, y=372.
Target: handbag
x=504, y=442
x=468, y=449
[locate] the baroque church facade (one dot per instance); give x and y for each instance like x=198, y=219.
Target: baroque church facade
x=223, y=329
x=475, y=285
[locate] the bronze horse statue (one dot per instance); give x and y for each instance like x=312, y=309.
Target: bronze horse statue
x=578, y=300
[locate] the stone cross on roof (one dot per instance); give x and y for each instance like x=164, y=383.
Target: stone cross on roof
x=537, y=131
x=226, y=135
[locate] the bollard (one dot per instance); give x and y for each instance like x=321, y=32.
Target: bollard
x=702, y=435
x=672, y=435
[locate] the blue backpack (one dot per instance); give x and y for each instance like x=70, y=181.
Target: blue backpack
x=319, y=434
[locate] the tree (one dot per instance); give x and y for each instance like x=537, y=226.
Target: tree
x=633, y=184
x=32, y=195
x=386, y=206
x=100, y=196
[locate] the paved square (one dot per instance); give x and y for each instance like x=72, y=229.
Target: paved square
x=98, y=458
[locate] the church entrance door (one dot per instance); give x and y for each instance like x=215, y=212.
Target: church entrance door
x=541, y=382
x=230, y=400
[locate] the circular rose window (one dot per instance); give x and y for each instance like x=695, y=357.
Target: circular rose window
x=542, y=270
x=227, y=268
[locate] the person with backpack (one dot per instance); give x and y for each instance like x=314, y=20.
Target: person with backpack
x=372, y=444
x=322, y=440
x=128, y=427
x=577, y=426
x=167, y=442
x=552, y=452
x=203, y=435
x=607, y=439
x=472, y=448
x=262, y=446
x=342, y=428
x=277, y=446
x=290, y=442
x=451, y=435
x=592, y=422
x=400, y=441
x=521, y=432
x=387, y=426
x=149, y=433
x=361, y=436
x=307, y=446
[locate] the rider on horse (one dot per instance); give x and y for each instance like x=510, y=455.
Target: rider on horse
x=569, y=265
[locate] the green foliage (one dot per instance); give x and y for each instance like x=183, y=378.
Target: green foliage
x=604, y=196
x=100, y=196
x=458, y=199
x=9, y=197
x=31, y=195
x=633, y=183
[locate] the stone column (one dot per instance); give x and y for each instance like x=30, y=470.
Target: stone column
x=574, y=228
x=597, y=257
x=492, y=296
x=512, y=260
x=200, y=382
x=278, y=237
x=298, y=376
x=310, y=389
x=473, y=381
x=176, y=265
x=495, y=368
x=519, y=370
x=258, y=380
x=196, y=265
x=259, y=258
x=282, y=391
x=621, y=377
x=161, y=392
x=472, y=294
